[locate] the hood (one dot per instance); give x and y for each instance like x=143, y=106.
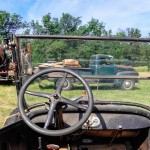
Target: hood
x=124, y=68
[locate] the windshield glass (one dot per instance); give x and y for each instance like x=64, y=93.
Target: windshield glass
x=115, y=71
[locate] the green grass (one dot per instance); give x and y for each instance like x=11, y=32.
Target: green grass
x=8, y=98
x=8, y=101
x=141, y=69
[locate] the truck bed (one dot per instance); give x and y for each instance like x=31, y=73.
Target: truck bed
x=82, y=71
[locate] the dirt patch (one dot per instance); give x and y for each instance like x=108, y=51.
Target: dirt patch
x=144, y=74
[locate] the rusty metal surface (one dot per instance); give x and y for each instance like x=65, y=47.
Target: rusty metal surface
x=101, y=38
x=1, y=79
x=102, y=147
x=104, y=77
x=116, y=77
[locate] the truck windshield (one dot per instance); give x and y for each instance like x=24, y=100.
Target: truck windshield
x=126, y=80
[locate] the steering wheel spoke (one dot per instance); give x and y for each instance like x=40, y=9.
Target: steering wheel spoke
x=39, y=94
x=73, y=103
x=50, y=114
x=62, y=81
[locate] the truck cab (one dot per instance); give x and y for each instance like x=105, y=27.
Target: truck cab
x=102, y=65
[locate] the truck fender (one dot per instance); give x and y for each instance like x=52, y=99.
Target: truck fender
x=126, y=84
x=68, y=85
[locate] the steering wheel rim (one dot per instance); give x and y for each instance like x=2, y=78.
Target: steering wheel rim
x=45, y=131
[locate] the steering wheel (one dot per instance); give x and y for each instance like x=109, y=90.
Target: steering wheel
x=55, y=99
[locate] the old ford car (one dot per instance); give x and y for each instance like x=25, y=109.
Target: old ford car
x=88, y=117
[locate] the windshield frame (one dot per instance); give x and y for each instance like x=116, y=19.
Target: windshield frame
x=17, y=60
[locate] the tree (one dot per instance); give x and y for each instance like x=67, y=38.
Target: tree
x=129, y=32
x=82, y=30
x=133, y=33
x=51, y=25
x=37, y=28
x=58, y=49
x=95, y=27
x=69, y=24
x=145, y=54
x=130, y=50
x=10, y=22
x=40, y=51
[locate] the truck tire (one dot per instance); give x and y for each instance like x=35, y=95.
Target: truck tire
x=67, y=85
x=13, y=117
x=128, y=84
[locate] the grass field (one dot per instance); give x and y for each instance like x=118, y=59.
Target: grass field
x=141, y=94
x=141, y=69
x=8, y=101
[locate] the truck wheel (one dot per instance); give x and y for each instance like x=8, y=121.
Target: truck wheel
x=13, y=117
x=67, y=85
x=128, y=84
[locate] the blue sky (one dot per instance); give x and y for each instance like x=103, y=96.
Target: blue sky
x=115, y=14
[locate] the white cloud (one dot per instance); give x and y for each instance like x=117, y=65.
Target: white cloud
x=55, y=7
x=120, y=14
x=114, y=13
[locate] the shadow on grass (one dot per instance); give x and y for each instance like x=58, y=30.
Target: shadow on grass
x=46, y=86
x=93, y=87
x=103, y=87
x=6, y=83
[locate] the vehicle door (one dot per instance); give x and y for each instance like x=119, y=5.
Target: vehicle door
x=106, y=68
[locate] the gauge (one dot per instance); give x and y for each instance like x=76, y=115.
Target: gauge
x=93, y=122
x=87, y=141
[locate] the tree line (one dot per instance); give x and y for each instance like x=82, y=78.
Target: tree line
x=70, y=25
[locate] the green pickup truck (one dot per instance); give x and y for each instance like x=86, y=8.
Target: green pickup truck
x=102, y=69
